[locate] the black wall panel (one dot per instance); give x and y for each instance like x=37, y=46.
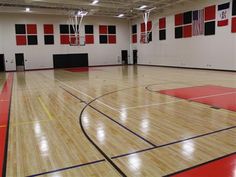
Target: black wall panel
x=64, y=29
x=234, y=7
x=48, y=39
x=32, y=40
x=210, y=28
x=134, y=29
x=20, y=29
x=162, y=34
x=188, y=17
x=88, y=29
x=178, y=32
x=70, y=60
x=103, y=39
x=150, y=37
x=111, y=29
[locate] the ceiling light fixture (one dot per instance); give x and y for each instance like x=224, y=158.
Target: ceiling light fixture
x=95, y=2
x=121, y=15
x=27, y=9
x=143, y=7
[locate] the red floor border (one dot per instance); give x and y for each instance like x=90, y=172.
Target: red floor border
x=4, y=121
x=215, y=96
x=182, y=172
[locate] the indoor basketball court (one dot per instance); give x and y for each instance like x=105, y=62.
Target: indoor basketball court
x=103, y=88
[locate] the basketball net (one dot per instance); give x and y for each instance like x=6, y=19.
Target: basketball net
x=75, y=24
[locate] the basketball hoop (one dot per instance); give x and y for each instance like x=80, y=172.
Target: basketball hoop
x=75, y=24
x=144, y=38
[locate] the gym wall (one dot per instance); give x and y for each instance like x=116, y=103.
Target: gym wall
x=40, y=56
x=212, y=51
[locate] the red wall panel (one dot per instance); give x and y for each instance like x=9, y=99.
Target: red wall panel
x=64, y=39
x=210, y=13
x=31, y=29
x=162, y=23
x=112, y=39
x=21, y=40
x=103, y=29
x=187, y=31
x=89, y=39
x=48, y=29
x=134, y=38
x=233, y=25
x=149, y=26
x=178, y=19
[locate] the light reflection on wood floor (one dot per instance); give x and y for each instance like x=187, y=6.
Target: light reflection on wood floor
x=46, y=136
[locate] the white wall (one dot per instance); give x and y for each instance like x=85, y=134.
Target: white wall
x=40, y=56
x=212, y=52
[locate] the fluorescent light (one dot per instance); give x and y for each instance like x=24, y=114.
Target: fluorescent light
x=143, y=7
x=95, y=2
x=27, y=9
x=121, y=15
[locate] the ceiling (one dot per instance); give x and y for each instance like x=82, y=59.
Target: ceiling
x=110, y=8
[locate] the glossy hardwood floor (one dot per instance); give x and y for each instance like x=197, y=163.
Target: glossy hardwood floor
x=2, y=79
x=111, y=121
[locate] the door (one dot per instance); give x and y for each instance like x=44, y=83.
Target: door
x=135, y=57
x=124, y=56
x=2, y=63
x=20, y=64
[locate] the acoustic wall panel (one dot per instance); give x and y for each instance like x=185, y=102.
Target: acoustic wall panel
x=209, y=28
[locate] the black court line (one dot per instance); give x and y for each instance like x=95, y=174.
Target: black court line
x=175, y=142
x=131, y=131
x=181, y=171
x=67, y=168
x=214, y=107
x=95, y=145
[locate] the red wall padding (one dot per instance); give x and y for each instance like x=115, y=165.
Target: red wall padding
x=103, y=29
x=112, y=39
x=233, y=25
x=21, y=40
x=65, y=39
x=31, y=29
x=142, y=27
x=48, y=29
x=89, y=39
x=187, y=31
x=210, y=13
x=134, y=38
x=178, y=19
x=162, y=23
x=149, y=26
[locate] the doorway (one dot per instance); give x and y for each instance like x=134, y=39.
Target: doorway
x=20, y=64
x=135, y=57
x=2, y=63
x=124, y=57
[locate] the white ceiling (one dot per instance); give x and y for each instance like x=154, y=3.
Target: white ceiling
x=109, y=8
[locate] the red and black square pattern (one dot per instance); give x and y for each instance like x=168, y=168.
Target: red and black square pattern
x=107, y=34
x=26, y=34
